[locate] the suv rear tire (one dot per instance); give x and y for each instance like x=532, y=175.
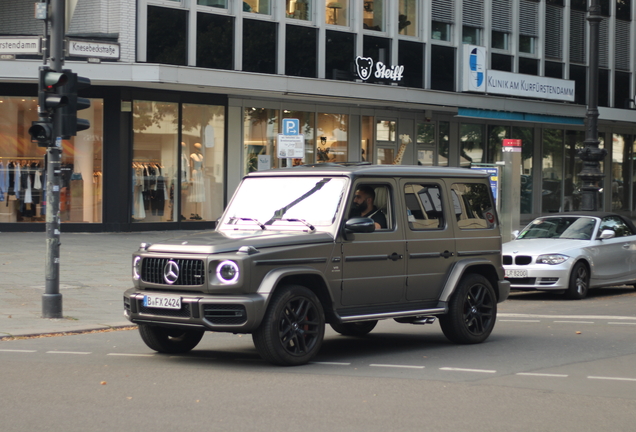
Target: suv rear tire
x=472, y=311
x=293, y=327
x=354, y=329
x=170, y=341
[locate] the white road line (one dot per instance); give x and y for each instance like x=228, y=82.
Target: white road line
x=575, y=322
x=130, y=355
x=397, y=366
x=20, y=351
x=331, y=363
x=67, y=352
x=612, y=378
x=581, y=317
x=518, y=320
x=542, y=375
x=622, y=323
x=467, y=370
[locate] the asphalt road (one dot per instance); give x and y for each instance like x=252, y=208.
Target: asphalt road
x=550, y=365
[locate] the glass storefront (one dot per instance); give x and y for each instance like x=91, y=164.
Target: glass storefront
x=23, y=166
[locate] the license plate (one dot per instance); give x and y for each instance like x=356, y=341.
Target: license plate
x=162, y=301
x=516, y=273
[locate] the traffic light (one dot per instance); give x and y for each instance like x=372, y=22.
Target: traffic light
x=50, y=99
x=70, y=124
x=41, y=132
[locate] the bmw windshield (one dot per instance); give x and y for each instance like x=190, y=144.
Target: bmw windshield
x=285, y=203
x=575, y=228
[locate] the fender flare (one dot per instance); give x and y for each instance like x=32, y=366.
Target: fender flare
x=459, y=269
x=272, y=279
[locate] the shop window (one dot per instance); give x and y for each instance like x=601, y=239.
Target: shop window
x=621, y=155
x=407, y=18
x=440, y=31
x=621, y=90
x=528, y=66
x=526, y=135
x=373, y=15
x=471, y=35
x=471, y=138
x=23, y=169
x=260, y=129
x=443, y=143
x=339, y=55
x=202, y=162
x=166, y=37
x=337, y=12
x=156, y=169
x=366, y=146
x=496, y=135
x=300, y=51
x=215, y=41
x=307, y=122
x=442, y=68
x=578, y=74
x=213, y=3
x=298, y=9
x=499, y=40
x=385, y=134
x=411, y=56
x=571, y=185
x=257, y=6
x=259, y=46
x=501, y=62
x=333, y=133
x=553, y=70
x=425, y=144
x=552, y=171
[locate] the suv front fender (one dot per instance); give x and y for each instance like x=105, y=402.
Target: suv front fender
x=306, y=276
x=502, y=287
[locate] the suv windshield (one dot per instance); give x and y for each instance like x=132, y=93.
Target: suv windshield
x=579, y=228
x=298, y=203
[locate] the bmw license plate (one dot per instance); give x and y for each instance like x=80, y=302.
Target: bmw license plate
x=162, y=301
x=516, y=273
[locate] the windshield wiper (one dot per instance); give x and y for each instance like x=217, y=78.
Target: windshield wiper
x=256, y=221
x=278, y=214
x=311, y=227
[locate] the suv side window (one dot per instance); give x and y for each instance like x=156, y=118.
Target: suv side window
x=472, y=206
x=424, y=206
x=615, y=224
x=381, y=201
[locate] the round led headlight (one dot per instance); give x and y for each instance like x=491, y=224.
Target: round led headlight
x=136, y=267
x=227, y=272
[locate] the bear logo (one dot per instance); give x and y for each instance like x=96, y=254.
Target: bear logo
x=363, y=66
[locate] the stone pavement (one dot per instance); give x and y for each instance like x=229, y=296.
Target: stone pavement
x=95, y=270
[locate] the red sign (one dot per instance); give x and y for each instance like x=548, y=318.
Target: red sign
x=512, y=143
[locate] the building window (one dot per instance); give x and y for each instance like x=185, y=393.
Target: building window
x=471, y=35
x=379, y=49
x=440, y=31
x=624, y=10
x=339, y=55
x=407, y=18
x=603, y=87
x=501, y=16
x=373, y=15
x=333, y=137
x=337, y=12
x=473, y=21
x=553, y=70
x=300, y=51
x=499, y=40
x=622, y=98
x=526, y=44
x=213, y=3
x=472, y=148
x=259, y=46
x=215, y=41
x=166, y=36
x=425, y=144
x=528, y=66
x=526, y=135
x=501, y=62
x=411, y=56
x=578, y=74
x=443, y=139
x=443, y=71
x=260, y=129
x=442, y=17
x=366, y=146
x=257, y=6
x=298, y=9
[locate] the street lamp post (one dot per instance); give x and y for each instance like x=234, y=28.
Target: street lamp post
x=591, y=154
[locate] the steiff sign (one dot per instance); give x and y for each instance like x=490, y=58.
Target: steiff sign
x=365, y=69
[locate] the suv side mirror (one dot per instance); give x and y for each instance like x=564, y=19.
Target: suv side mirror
x=360, y=225
x=607, y=234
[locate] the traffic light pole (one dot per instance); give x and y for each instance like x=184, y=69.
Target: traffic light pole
x=52, y=299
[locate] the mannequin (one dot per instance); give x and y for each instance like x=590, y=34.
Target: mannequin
x=197, y=194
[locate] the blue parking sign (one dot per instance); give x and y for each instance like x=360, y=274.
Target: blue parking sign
x=291, y=127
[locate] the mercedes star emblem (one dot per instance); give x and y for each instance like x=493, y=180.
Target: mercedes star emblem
x=171, y=272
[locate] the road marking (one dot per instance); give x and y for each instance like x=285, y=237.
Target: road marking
x=67, y=352
x=622, y=323
x=331, y=363
x=575, y=322
x=518, y=320
x=397, y=366
x=21, y=351
x=542, y=375
x=573, y=317
x=467, y=370
x=130, y=355
x=612, y=378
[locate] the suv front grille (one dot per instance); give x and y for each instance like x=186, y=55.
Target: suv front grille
x=225, y=314
x=191, y=271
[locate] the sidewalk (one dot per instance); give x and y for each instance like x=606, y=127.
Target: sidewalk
x=95, y=270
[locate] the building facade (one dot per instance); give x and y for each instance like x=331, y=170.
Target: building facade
x=188, y=96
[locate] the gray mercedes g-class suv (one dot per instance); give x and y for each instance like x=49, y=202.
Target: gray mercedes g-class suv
x=343, y=244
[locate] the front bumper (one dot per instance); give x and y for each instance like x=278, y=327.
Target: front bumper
x=234, y=314
x=542, y=277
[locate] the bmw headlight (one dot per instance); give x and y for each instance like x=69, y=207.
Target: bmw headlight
x=227, y=272
x=552, y=259
x=136, y=267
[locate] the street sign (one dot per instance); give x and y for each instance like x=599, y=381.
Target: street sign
x=20, y=45
x=291, y=146
x=511, y=145
x=291, y=127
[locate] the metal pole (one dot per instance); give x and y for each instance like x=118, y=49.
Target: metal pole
x=591, y=155
x=52, y=299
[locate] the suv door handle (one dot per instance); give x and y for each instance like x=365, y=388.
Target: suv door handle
x=395, y=256
x=446, y=254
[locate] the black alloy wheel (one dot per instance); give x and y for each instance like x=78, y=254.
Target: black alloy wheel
x=472, y=311
x=293, y=327
x=169, y=340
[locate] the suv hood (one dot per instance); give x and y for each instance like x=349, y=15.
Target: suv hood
x=223, y=242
